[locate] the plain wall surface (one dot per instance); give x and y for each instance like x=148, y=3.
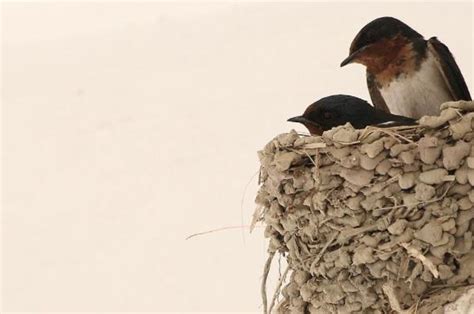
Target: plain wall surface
x=129, y=126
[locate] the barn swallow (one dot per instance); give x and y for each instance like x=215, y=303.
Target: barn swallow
x=335, y=110
x=406, y=74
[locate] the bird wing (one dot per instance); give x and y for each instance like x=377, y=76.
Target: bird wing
x=375, y=95
x=391, y=124
x=449, y=70
x=397, y=121
x=384, y=119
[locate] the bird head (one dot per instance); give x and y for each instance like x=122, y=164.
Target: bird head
x=380, y=41
x=332, y=111
x=313, y=126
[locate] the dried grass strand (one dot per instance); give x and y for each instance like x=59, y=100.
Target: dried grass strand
x=220, y=229
x=263, y=287
x=278, y=288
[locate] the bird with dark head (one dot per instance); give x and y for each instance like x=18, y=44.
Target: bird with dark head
x=406, y=74
x=336, y=110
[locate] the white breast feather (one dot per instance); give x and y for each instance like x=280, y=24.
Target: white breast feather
x=418, y=94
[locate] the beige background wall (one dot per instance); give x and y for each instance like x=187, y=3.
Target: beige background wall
x=127, y=127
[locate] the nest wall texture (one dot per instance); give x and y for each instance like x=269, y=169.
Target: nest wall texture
x=373, y=220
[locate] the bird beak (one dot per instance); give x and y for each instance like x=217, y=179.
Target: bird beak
x=348, y=60
x=353, y=56
x=313, y=127
x=299, y=119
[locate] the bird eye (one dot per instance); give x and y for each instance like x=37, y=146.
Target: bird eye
x=327, y=115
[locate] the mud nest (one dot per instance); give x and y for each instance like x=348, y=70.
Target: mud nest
x=374, y=220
